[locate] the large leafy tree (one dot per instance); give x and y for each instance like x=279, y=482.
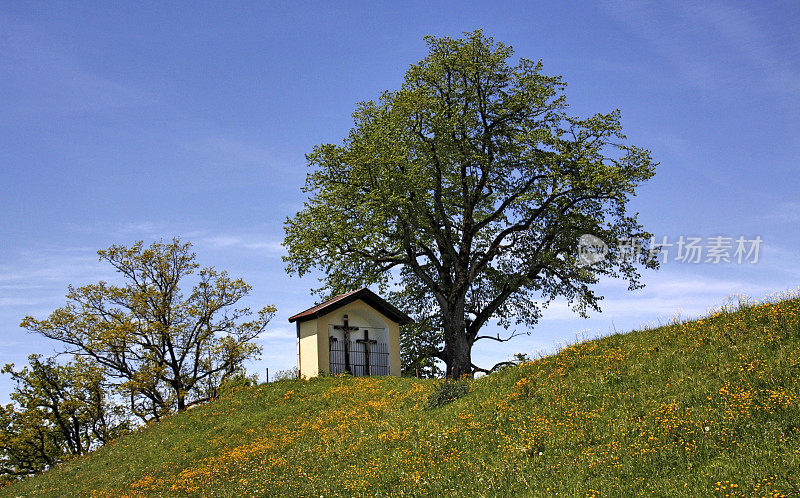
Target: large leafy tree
x=58, y=411
x=166, y=350
x=470, y=187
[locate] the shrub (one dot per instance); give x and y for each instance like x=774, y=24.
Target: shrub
x=288, y=374
x=446, y=392
x=237, y=380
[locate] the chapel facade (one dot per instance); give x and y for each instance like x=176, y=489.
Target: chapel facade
x=356, y=333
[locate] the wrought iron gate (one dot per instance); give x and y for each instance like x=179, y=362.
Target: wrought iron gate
x=378, y=355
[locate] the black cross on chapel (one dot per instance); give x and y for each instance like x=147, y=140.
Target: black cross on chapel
x=367, y=342
x=346, y=329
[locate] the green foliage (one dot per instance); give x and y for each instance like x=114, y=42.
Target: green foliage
x=167, y=350
x=420, y=340
x=415, y=358
x=58, y=411
x=446, y=392
x=470, y=187
x=237, y=381
x=288, y=374
x=702, y=408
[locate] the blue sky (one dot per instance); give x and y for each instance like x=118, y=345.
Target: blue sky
x=128, y=121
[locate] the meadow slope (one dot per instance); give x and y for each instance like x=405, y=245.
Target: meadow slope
x=703, y=408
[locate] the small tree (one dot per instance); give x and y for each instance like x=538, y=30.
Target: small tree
x=28, y=444
x=166, y=350
x=58, y=411
x=470, y=186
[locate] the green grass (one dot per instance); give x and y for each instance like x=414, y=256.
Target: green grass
x=703, y=408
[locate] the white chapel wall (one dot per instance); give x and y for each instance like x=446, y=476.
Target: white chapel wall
x=361, y=315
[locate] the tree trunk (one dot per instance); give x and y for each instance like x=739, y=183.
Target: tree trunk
x=180, y=394
x=457, y=347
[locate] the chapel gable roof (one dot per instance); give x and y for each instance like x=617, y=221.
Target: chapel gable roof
x=364, y=294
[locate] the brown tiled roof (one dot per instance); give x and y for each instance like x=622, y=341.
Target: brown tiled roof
x=337, y=302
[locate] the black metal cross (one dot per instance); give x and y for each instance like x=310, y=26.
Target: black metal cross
x=366, y=341
x=346, y=328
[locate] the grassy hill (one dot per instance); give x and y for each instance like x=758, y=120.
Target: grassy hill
x=709, y=407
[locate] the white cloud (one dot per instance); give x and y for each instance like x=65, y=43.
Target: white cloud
x=241, y=242
x=694, y=285
x=35, y=282
x=36, y=271
x=17, y=302
x=782, y=260
x=278, y=333
x=150, y=231
x=664, y=297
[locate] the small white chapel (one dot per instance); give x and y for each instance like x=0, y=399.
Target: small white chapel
x=356, y=333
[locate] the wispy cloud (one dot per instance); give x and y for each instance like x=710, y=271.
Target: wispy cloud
x=784, y=213
x=664, y=32
x=262, y=237
x=34, y=282
x=664, y=297
x=39, y=270
x=140, y=228
x=249, y=242
x=741, y=31
x=278, y=332
x=200, y=237
x=17, y=302
x=41, y=77
x=667, y=296
x=124, y=230
x=233, y=151
x=691, y=36
x=781, y=259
